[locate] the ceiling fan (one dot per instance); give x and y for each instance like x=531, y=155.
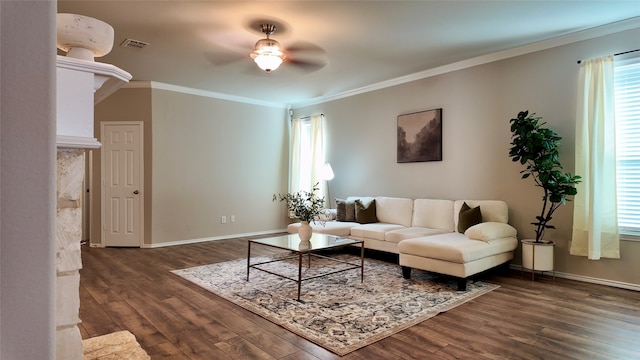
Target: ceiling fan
x=268, y=54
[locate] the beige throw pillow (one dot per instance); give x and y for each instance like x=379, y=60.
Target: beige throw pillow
x=490, y=231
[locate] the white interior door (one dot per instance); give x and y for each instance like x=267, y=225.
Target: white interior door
x=122, y=179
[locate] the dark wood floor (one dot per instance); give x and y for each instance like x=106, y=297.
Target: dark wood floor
x=132, y=289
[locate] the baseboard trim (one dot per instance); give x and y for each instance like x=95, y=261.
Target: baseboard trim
x=214, y=238
x=588, y=279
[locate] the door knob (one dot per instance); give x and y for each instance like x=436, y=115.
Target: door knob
x=136, y=192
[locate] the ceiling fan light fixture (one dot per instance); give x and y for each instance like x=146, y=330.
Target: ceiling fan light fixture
x=268, y=55
x=268, y=62
x=267, y=52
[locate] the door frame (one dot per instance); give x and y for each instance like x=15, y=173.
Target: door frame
x=103, y=226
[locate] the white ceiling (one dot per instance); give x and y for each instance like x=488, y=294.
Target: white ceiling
x=205, y=45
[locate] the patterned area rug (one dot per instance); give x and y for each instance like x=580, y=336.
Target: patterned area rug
x=337, y=311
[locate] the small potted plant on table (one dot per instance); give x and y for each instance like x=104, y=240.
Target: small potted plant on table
x=305, y=206
x=536, y=147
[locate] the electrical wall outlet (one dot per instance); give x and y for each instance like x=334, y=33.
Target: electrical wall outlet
x=223, y=219
x=232, y=218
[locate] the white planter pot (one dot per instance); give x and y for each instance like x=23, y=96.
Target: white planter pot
x=537, y=256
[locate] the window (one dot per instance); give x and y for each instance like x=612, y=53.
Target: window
x=627, y=113
x=307, y=154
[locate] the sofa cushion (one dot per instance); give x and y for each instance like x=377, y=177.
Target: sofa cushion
x=337, y=228
x=489, y=231
x=412, y=232
x=455, y=247
x=374, y=231
x=366, y=211
x=431, y=213
x=392, y=210
x=468, y=217
x=345, y=210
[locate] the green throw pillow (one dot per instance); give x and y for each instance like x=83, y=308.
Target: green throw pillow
x=366, y=212
x=468, y=217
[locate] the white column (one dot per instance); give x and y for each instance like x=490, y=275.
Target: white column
x=80, y=84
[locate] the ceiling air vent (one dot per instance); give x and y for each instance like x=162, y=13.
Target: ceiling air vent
x=134, y=43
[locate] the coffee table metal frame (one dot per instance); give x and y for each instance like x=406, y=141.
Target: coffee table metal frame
x=310, y=252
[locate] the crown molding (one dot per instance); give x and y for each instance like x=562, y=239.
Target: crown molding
x=566, y=39
x=199, y=92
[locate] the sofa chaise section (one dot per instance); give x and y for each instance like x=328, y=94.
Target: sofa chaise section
x=481, y=247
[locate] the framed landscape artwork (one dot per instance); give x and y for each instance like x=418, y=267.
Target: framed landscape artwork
x=420, y=136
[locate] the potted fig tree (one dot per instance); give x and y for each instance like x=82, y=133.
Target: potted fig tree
x=536, y=147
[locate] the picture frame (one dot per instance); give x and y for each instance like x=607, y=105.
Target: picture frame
x=420, y=136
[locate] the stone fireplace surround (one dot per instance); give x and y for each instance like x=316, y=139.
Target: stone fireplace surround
x=80, y=84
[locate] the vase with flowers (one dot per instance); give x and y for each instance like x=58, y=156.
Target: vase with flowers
x=305, y=206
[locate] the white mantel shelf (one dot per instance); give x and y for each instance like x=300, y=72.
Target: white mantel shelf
x=109, y=78
x=80, y=85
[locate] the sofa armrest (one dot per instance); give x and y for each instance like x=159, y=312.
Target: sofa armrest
x=488, y=231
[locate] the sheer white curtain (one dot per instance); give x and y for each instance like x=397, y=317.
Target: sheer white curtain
x=595, y=218
x=294, y=156
x=307, y=155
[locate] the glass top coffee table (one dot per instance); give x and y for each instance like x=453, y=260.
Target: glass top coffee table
x=318, y=243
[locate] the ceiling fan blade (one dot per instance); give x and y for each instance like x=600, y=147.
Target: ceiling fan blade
x=306, y=65
x=223, y=58
x=227, y=53
x=304, y=47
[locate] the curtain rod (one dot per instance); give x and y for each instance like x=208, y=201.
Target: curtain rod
x=307, y=117
x=620, y=53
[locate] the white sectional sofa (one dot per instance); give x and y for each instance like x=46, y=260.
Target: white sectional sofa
x=424, y=232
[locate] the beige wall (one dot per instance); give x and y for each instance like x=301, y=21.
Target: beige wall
x=123, y=105
x=214, y=158
x=477, y=104
x=204, y=158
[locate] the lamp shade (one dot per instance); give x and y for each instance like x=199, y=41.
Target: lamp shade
x=327, y=172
